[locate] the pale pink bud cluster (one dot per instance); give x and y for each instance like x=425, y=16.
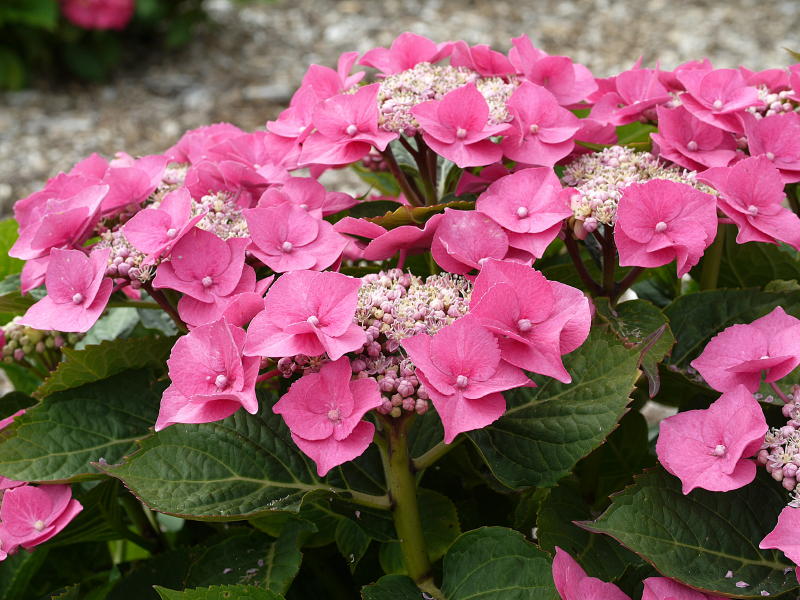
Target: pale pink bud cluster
x=774, y=103
x=223, y=216
x=780, y=453
x=31, y=347
x=125, y=261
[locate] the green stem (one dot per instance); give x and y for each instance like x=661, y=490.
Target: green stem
x=370, y=501
x=149, y=537
x=711, y=261
x=609, y=260
x=411, y=194
x=791, y=194
x=575, y=254
x=132, y=304
x=626, y=282
x=427, y=459
x=162, y=301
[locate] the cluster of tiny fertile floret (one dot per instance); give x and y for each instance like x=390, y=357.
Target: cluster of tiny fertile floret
x=401, y=92
x=780, y=453
x=775, y=103
x=223, y=217
x=601, y=177
x=125, y=261
x=27, y=346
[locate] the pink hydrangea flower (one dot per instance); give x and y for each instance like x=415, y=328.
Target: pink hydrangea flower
x=211, y=379
x=99, y=14
x=465, y=239
x=573, y=583
x=307, y=312
x=288, y=238
x=784, y=536
x=709, y=448
x=719, y=97
x=195, y=143
x=530, y=205
x=31, y=515
x=266, y=154
x=238, y=306
x=630, y=97
x=691, y=143
x=407, y=50
x=308, y=194
x=740, y=354
x=324, y=413
x=664, y=588
x=661, y=221
x=751, y=195
x=471, y=183
x=480, y=58
x=131, y=181
x=542, y=132
x=235, y=179
x=775, y=137
x=463, y=373
x=536, y=320
x=456, y=127
x=326, y=82
x=77, y=292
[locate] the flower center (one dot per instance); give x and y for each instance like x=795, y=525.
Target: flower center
x=334, y=414
x=534, y=129
x=207, y=281
x=720, y=450
x=692, y=145
x=38, y=525
x=524, y=325
x=351, y=130
x=462, y=381
x=313, y=319
x=522, y=212
x=718, y=104
x=770, y=155
x=172, y=232
x=461, y=133
x=752, y=209
x=221, y=381
x=661, y=227
x=77, y=298
x=286, y=246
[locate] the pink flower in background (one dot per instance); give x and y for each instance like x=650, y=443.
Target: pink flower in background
x=211, y=379
x=195, y=144
x=664, y=588
x=77, y=292
x=131, y=181
x=784, y=536
x=326, y=82
x=661, y=221
x=407, y=50
x=463, y=374
x=775, y=137
x=573, y=583
x=691, y=143
x=719, y=97
x=530, y=205
x=536, y=320
x=709, y=448
x=465, y=239
x=99, y=14
x=751, y=194
x=480, y=58
x=740, y=354
x=265, y=153
x=31, y=515
x=457, y=127
x=324, y=413
x=307, y=312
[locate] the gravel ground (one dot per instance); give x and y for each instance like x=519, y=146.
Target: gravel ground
x=244, y=66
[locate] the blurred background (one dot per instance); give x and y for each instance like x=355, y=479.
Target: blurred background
x=240, y=61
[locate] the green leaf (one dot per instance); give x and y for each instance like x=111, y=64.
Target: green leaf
x=696, y=318
x=391, y=587
x=546, y=430
x=222, y=592
x=59, y=438
x=238, y=468
x=699, y=537
x=73, y=592
x=167, y=569
x=755, y=264
x=36, y=13
x=23, y=380
x=116, y=323
x=8, y=235
x=439, y=528
x=494, y=563
x=97, y=362
x=17, y=571
x=417, y=215
x=383, y=181
x=14, y=401
x=352, y=542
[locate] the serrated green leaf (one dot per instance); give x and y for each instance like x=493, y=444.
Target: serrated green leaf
x=73, y=592
x=699, y=537
x=546, y=430
x=755, y=264
x=383, y=181
x=59, y=438
x=222, y=592
x=352, y=542
x=391, y=587
x=103, y=360
x=14, y=401
x=16, y=572
x=116, y=323
x=167, y=569
x=417, y=215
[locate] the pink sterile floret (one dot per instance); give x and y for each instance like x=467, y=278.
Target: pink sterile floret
x=265, y=153
x=661, y=221
x=406, y=51
x=308, y=194
x=718, y=97
x=456, y=127
x=31, y=515
x=307, y=312
x=288, y=238
x=530, y=205
x=739, y=354
x=691, y=143
x=751, y=194
x=324, y=410
x=709, y=448
x=629, y=97
x=99, y=14
x=464, y=240
x=573, y=583
x=346, y=129
x=464, y=374
x=77, y=292
x=155, y=231
x=664, y=588
x=775, y=137
x=536, y=320
x=326, y=82
x=784, y=536
x=480, y=58
x=211, y=379
x=195, y=143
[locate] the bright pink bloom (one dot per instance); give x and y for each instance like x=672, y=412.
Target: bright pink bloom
x=536, y=320
x=469, y=183
x=235, y=179
x=740, y=353
x=572, y=582
x=131, y=181
x=195, y=143
x=718, y=97
x=267, y=154
x=77, y=292
x=324, y=413
x=751, y=194
x=465, y=239
x=784, y=536
x=530, y=205
x=99, y=14
x=155, y=231
x=407, y=238
x=635, y=92
x=287, y=238
x=211, y=379
x=326, y=82
x=664, y=588
x=294, y=123
x=480, y=58
x=307, y=312
x=308, y=194
x=661, y=221
x=463, y=373
x=709, y=448
x=775, y=137
x=31, y=515
x=542, y=131
x=346, y=129
x=691, y=143
x=407, y=50
x=240, y=305
x=456, y=127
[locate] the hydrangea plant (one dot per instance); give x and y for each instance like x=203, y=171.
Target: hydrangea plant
x=235, y=382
